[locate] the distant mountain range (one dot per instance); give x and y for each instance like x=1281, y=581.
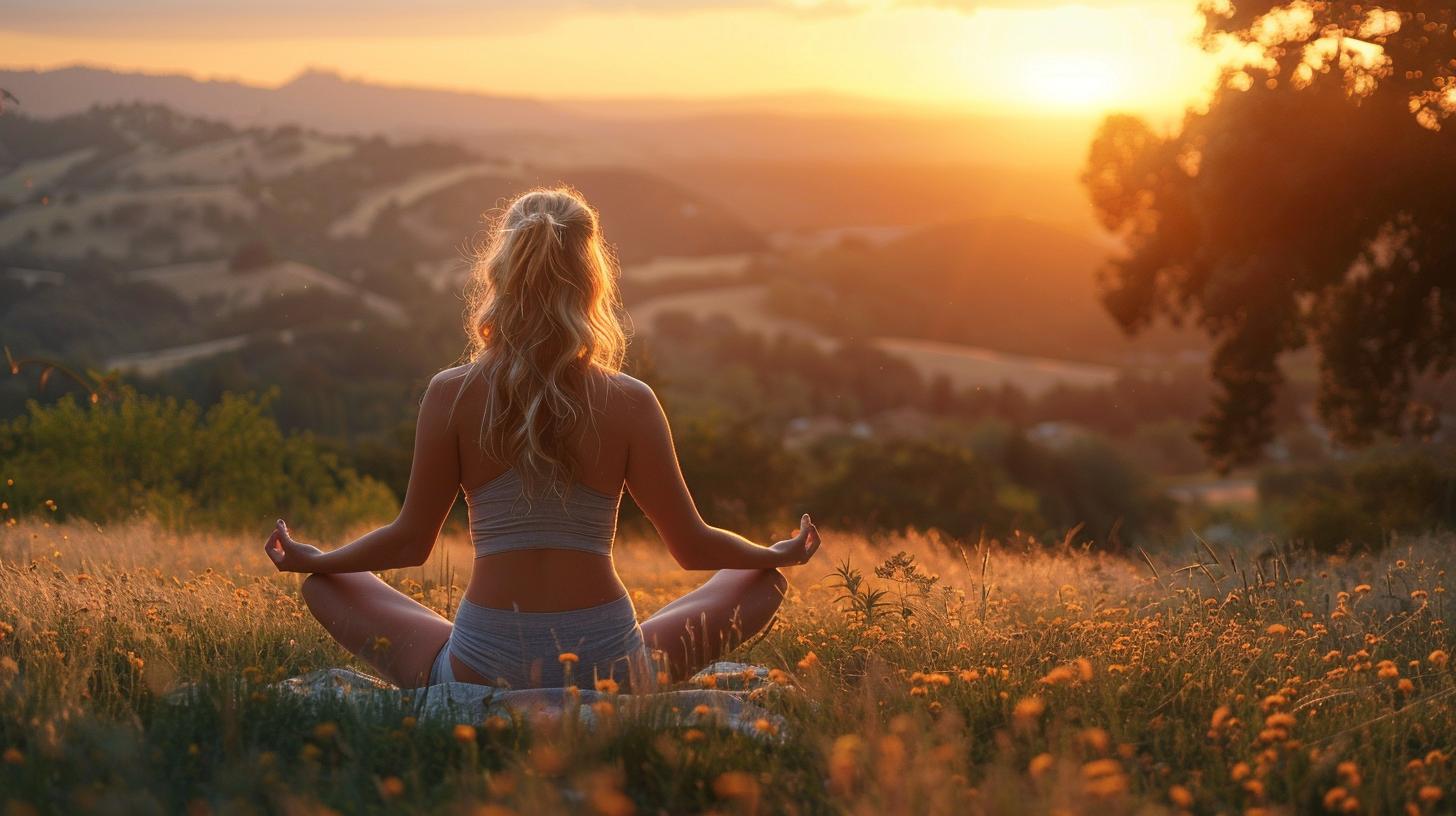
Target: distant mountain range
x=804, y=126
x=314, y=99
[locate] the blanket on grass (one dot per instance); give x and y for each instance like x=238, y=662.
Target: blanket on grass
x=730, y=692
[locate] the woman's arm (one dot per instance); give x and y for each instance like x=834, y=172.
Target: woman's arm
x=657, y=485
x=433, y=485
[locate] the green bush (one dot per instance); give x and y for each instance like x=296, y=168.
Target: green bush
x=227, y=468
x=1360, y=502
x=1088, y=481
x=742, y=477
x=898, y=484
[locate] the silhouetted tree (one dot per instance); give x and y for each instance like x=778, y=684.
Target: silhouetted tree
x=1312, y=202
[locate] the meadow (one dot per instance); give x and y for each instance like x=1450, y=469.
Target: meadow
x=927, y=676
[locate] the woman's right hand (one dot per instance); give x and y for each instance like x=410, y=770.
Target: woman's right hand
x=289, y=555
x=799, y=549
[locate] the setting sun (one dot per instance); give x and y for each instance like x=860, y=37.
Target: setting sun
x=1080, y=58
x=1072, y=81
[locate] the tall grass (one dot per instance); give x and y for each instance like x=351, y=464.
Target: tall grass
x=988, y=677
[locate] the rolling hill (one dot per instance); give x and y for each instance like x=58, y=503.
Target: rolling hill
x=214, y=220
x=1008, y=284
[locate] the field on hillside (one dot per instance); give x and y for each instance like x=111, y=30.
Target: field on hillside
x=1021, y=677
x=234, y=291
x=965, y=367
x=358, y=220
x=104, y=222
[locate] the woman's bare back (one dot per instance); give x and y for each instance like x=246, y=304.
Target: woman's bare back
x=548, y=580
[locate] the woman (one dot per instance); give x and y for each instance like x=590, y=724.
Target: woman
x=542, y=430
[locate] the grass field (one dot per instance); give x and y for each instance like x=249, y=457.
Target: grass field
x=358, y=220
x=1025, y=678
x=231, y=159
x=33, y=176
x=68, y=230
x=233, y=291
x=964, y=366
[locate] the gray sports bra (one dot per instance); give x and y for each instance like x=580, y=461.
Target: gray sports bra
x=502, y=518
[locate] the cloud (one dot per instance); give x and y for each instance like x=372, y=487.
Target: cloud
x=314, y=18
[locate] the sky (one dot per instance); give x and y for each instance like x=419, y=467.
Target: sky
x=1007, y=56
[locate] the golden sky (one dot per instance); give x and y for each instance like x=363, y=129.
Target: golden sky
x=1008, y=56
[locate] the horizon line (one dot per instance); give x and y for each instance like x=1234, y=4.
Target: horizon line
x=906, y=105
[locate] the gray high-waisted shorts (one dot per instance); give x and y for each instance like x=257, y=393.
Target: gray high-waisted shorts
x=523, y=649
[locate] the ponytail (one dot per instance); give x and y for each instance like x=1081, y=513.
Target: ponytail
x=545, y=309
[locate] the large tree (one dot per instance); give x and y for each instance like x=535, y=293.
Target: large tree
x=1313, y=201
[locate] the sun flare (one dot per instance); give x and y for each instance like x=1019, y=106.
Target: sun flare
x=1079, y=59
x=1071, y=81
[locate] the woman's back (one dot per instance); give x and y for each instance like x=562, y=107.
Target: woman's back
x=530, y=541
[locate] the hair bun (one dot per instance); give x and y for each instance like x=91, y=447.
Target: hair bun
x=541, y=217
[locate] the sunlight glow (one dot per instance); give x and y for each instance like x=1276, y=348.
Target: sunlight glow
x=1073, y=81
x=1045, y=58
x=1080, y=58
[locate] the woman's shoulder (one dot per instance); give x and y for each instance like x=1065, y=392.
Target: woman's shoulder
x=622, y=390
x=447, y=392
x=624, y=402
x=449, y=383
x=452, y=376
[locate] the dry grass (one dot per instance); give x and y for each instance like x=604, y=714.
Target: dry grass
x=971, y=367
x=231, y=159
x=1024, y=679
x=113, y=241
x=34, y=176
x=963, y=366
x=357, y=221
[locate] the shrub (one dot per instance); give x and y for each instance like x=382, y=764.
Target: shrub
x=899, y=484
x=229, y=467
x=1361, y=501
x=742, y=476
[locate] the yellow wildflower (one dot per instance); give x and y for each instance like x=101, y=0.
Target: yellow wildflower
x=390, y=787
x=1028, y=709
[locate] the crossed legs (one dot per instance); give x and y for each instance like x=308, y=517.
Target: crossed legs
x=712, y=620
x=400, y=637
x=389, y=630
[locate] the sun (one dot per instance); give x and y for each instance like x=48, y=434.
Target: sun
x=1069, y=81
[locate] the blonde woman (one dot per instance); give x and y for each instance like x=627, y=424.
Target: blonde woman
x=542, y=431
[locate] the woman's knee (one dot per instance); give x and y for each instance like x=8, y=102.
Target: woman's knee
x=318, y=588
x=775, y=583
x=765, y=595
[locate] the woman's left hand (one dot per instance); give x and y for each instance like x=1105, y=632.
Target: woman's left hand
x=289, y=555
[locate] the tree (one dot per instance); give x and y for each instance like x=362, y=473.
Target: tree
x=1312, y=202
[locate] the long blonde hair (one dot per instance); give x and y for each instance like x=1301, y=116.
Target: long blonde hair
x=544, y=309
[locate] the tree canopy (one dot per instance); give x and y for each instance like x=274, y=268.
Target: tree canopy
x=1311, y=202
